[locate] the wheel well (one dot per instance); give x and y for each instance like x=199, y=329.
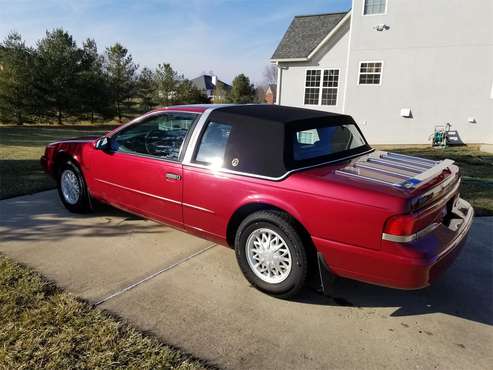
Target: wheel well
x=60, y=159
x=248, y=209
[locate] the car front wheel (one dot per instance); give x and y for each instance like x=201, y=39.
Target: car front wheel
x=72, y=188
x=271, y=254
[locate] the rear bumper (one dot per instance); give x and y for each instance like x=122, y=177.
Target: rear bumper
x=434, y=253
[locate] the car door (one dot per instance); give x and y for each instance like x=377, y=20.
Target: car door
x=207, y=194
x=142, y=172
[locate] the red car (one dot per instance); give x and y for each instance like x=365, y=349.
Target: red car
x=281, y=185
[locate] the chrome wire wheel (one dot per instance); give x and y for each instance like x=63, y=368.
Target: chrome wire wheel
x=70, y=187
x=268, y=256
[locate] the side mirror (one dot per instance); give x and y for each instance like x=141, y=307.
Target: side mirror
x=103, y=144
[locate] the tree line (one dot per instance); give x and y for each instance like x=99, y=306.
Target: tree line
x=57, y=80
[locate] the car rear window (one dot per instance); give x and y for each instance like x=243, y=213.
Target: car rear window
x=326, y=141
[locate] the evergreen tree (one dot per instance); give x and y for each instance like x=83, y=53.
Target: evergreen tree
x=242, y=92
x=58, y=68
x=16, y=78
x=93, y=89
x=146, y=88
x=221, y=94
x=121, y=76
x=188, y=93
x=167, y=81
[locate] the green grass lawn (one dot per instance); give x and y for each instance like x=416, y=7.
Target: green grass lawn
x=44, y=327
x=20, y=150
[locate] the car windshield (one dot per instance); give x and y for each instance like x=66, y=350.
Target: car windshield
x=326, y=142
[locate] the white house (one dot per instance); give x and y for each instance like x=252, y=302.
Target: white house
x=399, y=67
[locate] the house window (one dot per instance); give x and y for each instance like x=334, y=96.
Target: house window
x=330, y=85
x=321, y=86
x=370, y=73
x=372, y=7
x=312, y=86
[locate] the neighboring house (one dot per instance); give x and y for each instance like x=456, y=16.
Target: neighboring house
x=270, y=94
x=211, y=86
x=398, y=67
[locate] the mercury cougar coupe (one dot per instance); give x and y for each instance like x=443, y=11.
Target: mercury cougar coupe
x=284, y=186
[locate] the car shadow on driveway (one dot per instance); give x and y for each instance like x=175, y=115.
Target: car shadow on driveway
x=465, y=290
x=43, y=219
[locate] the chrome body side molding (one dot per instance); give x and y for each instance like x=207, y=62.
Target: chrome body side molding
x=412, y=237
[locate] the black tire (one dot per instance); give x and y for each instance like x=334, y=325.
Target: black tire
x=82, y=203
x=281, y=224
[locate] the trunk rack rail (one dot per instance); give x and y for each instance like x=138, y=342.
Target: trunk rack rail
x=398, y=170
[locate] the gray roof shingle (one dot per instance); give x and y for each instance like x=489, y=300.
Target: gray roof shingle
x=305, y=33
x=204, y=82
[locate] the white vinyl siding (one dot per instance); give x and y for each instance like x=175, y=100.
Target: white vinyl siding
x=374, y=7
x=321, y=86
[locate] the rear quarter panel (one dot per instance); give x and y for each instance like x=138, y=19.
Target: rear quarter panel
x=330, y=211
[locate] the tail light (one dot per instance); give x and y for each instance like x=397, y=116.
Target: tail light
x=408, y=227
x=400, y=225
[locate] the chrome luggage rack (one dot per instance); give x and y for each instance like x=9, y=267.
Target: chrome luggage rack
x=398, y=170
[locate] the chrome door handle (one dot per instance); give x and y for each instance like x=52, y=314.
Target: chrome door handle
x=172, y=176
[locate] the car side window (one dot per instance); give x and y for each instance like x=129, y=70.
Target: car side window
x=160, y=136
x=212, y=147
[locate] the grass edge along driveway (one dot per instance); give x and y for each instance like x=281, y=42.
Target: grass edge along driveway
x=42, y=326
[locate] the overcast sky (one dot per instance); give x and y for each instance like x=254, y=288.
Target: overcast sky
x=224, y=36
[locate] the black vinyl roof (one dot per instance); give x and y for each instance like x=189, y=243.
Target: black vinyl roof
x=260, y=140
x=275, y=113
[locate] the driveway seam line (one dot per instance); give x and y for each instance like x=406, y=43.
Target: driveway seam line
x=136, y=284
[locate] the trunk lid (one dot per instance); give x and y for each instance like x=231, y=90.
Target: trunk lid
x=425, y=181
x=396, y=170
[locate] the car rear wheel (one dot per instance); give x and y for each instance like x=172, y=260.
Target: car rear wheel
x=72, y=188
x=271, y=254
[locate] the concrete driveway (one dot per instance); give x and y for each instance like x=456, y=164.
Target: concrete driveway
x=192, y=294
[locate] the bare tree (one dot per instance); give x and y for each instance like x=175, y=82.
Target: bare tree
x=260, y=93
x=270, y=74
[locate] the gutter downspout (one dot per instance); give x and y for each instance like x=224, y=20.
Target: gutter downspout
x=279, y=84
x=348, y=61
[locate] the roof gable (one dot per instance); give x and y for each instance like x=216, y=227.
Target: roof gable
x=272, y=88
x=305, y=34
x=204, y=82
